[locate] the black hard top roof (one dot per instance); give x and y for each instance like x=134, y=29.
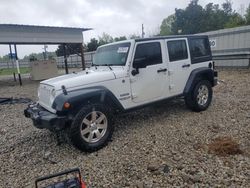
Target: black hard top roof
x=171, y=37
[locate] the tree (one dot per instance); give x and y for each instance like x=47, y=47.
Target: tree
x=70, y=49
x=188, y=21
x=134, y=36
x=166, y=25
x=234, y=21
x=59, y=50
x=247, y=15
x=5, y=58
x=196, y=19
x=39, y=56
x=227, y=7
x=121, y=38
x=105, y=39
x=92, y=45
x=213, y=17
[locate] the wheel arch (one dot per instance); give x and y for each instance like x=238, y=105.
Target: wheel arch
x=203, y=73
x=80, y=97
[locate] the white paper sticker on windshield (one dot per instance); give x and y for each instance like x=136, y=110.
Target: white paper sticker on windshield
x=122, y=50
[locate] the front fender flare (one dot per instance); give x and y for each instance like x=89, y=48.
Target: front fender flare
x=78, y=98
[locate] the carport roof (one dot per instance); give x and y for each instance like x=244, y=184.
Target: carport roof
x=33, y=34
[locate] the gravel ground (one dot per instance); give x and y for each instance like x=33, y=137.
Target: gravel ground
x=160, y=146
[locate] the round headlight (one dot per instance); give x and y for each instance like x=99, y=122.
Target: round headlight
x=53, y=93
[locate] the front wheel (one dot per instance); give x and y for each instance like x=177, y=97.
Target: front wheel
x=200, y=97
x=92, y=128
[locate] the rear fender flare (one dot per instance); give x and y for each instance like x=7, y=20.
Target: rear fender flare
x=199, y=74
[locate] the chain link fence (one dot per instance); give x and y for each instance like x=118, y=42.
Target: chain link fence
x=74, y=61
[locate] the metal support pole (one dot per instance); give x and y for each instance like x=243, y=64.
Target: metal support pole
x=142, y=31
x=82, y=57
x=65, y=59
x=11, y=59
x=17, y=66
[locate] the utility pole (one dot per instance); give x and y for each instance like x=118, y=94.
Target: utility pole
x=12, y=62
x=142, y=31
x=17, y=66
x=45, y=51
x=82, y=57
x=65, y=59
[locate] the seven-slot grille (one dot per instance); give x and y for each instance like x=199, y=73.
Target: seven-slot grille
x=45, y=94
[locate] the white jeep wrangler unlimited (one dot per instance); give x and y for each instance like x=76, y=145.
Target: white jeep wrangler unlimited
x=124, y=76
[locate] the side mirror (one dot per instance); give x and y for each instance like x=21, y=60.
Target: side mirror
x=135, y=72
x=140, y=63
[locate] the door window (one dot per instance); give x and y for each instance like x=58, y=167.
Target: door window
x=177, y=50
x=148, y=54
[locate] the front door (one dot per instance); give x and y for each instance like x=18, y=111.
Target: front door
x=149, y=81
x=179, y=65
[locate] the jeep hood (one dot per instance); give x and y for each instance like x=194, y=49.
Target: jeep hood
x=78, y=80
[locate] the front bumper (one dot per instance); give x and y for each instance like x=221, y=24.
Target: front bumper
x=44, y=119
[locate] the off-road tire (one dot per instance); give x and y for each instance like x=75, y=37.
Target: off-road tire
x=191, y=99
x=75, y=134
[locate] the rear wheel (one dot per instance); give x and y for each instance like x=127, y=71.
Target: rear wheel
x=200, y=97
x=92, y=128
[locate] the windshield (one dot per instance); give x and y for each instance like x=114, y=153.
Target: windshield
x=112, y=55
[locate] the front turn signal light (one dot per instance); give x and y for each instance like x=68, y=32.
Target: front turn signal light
x=66, y=105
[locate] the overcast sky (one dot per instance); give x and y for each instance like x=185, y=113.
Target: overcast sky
x=115, y=17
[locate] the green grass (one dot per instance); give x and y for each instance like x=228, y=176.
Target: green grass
x=6, y=71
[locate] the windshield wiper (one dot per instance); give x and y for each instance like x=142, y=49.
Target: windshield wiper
x=95, y=65
x=108, y=66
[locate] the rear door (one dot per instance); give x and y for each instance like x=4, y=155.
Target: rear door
x=179, y=64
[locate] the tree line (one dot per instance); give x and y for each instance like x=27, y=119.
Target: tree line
x=197, y=19
x=190, y=20
x=92, y=45
x=32, y=56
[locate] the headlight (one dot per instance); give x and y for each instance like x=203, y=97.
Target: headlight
x=53, y=93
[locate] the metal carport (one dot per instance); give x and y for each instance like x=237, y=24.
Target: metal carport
x=13, y=34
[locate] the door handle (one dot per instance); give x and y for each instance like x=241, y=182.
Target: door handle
x=185, y=65
x=162, y=70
